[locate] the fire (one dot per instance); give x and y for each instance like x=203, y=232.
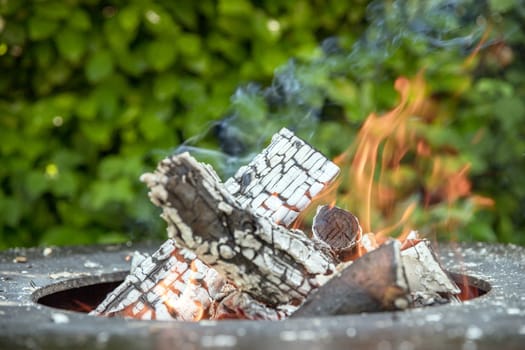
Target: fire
x=180, y=296
x=392, y=172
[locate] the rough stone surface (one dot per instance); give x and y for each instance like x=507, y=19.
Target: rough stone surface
x=496, y=320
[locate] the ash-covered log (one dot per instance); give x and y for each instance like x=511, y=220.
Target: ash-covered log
x=275, y=265
x=429, y=283
x=374, y=282
x=339, y=229
x=172, y=284
x=160, y=287
x=175, y=284
x=282, y=180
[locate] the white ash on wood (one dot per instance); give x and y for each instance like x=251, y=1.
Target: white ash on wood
x=274, y=264
x=282, y=180
x=173, y=284
x=227, y=257
x=175, y=293
x=160, y=287
x=429, y=283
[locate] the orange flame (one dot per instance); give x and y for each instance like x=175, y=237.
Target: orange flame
x=392, y=171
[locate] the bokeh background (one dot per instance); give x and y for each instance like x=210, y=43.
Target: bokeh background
x=93, y=93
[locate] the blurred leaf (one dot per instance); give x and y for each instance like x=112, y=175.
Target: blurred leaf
x=103, y=193
x=41, y=28
x=151, y=127
x=11, y=211
x=65, y=235
x=114, y=167
x=65, y=185
x=129, y=17
x=165, y=86
x=71, y=44
x=99, y=66
x=234, y=7
x=161, y=54
x=35, y=184
x=501, y=5
x=189, y=44
x=79, y=19
x=159, y=22
x=52, y=9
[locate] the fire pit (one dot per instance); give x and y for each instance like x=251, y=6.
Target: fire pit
x=40, y=288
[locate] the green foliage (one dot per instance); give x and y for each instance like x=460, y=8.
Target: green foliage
x=93, y=93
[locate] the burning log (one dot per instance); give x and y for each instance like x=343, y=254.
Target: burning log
x=281, y=181
x=160, y=287
x=171, y=294
x=339, y=229
x=173, y=284
x=227, y=257
x=275, y=265
x=374, y=282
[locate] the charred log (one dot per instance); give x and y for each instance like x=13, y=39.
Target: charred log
x=282, y=180
x=374, y=282
x=169, y=284
x=339, y=229
x=273, y=264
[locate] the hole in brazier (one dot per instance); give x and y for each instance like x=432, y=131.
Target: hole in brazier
x=80, y=299
x=85, y=298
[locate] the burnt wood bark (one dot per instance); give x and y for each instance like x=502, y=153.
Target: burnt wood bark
x=374, y=282
x=275, y=265
x=339, y=229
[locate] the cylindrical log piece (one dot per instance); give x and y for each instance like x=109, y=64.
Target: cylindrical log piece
x=339, y=229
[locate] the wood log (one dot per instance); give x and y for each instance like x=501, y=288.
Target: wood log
x=374, y=282
x=171, y=290
x=275, y=265
x=162, y=286
x=173, y=284
x=339, y=229
x=282, y=180
x=428, y=282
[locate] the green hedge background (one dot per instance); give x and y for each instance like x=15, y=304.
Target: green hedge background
x=93, y=93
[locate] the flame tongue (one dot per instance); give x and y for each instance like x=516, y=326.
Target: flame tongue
x=393, y=172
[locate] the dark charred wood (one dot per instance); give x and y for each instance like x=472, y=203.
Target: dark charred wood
x=375, y=282
x=339, y=229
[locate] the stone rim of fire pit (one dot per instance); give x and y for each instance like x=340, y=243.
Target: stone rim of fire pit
x=494, y=319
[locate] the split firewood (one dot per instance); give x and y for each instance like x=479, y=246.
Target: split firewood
x=282, y=180
x=172, y=284
x=374, y=282
x=427, y=280
x=160, y=287
x=339, y=229
x=275, y=265
x=172, y=290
